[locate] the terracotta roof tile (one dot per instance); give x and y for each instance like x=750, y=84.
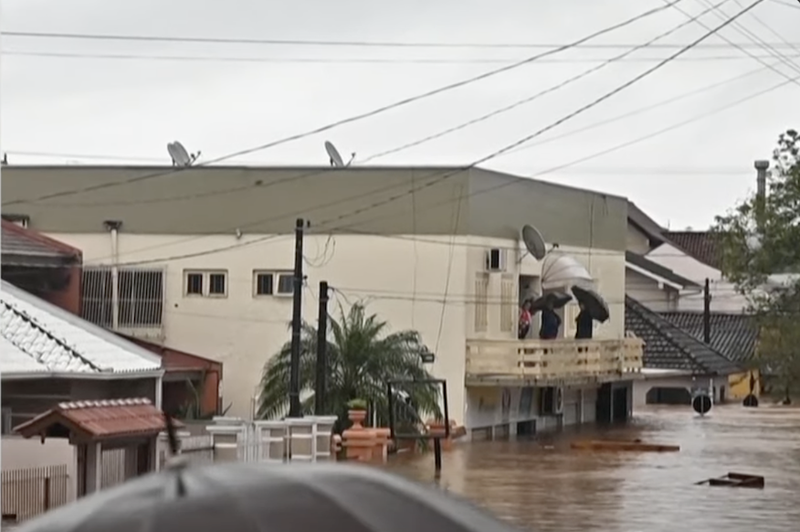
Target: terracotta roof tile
x=114, y=418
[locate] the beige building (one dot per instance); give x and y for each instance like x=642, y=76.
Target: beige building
x=200, y=260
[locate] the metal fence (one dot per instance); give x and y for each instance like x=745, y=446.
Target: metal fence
x=29, y=492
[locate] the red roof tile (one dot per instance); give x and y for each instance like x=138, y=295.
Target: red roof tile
x=94, y=420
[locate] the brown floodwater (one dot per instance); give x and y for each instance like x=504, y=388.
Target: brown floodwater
x=543, y=485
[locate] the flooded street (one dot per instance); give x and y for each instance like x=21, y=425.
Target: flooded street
x=543, y=485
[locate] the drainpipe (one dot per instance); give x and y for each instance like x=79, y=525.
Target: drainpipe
x=761, y=192
x=112, y=226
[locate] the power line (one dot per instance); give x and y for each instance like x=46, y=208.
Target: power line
x=367, y=114
x=550, y=89
x=437, y=205
x=608, y=150
x=594, y=125
x=329, y=43
x=563, y=119
x=357, y=60
x=744, y=50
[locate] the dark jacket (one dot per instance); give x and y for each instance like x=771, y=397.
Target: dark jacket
x=550, y=324
x=584, y=325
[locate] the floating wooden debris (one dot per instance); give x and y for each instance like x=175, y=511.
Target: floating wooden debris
x=736, y=480
x=634, y=445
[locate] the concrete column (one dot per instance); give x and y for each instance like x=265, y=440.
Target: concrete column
x=581, y=406
x=94, y=467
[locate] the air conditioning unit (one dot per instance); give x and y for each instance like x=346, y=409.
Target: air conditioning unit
x=551, y=401
x=496, y=260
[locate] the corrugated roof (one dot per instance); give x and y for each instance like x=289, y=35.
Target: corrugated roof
x=96, y=420
x=733, y=335
x=25, y=242
x=55, y=341
x=667, y=346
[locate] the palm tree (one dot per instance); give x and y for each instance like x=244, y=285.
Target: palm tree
x=362, y=358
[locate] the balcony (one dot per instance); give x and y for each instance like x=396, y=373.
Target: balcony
x=552, y=362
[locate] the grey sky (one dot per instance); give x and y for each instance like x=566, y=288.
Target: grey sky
x=132, y=108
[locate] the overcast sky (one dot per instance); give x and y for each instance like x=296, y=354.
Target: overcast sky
x=131, y=107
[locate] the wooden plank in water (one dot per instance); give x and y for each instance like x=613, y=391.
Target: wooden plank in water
x=635, y=446
x=737, y=480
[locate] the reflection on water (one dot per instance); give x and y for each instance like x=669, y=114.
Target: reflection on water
x=543, y=485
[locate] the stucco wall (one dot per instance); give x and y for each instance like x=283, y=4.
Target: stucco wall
x=243, y=331
x=641, y=387
x=646, y=291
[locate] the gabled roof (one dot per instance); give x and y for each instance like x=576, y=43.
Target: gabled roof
x=658, y=271
x=97, y=420
x=645, y=224
x=667, y=346
x=37, y=337
x=699, y=244
x=733, y=335
x=21, y=242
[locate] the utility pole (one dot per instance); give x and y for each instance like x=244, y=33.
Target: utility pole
x=320, y=388
x=707, y=312
x=761, y=191
x=297, y=318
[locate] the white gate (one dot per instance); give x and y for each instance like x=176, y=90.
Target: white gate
x=303, y=439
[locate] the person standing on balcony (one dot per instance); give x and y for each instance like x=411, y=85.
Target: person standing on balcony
x=550, y=323
x=584, y=324
x=525, y=319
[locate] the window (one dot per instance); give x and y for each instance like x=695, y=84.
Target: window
x=6, y=423
x=264, y=283
x=205, y=284
x=285, y=283
x=273, y=283
x=194, y=284
x=217, y=284
x=137, y=302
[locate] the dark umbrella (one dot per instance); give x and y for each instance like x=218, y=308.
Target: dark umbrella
x=593, y=302
x=556, y=299
x=244, y=497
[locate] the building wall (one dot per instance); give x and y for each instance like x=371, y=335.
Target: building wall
x=402, y=281
x=641, y=387
x=647, y=292
x=724, y=297
x=636, y=240
x=495, y=411
x=266, y=200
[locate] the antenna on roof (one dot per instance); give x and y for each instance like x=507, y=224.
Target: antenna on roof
x=179, y=155
x=336, y=159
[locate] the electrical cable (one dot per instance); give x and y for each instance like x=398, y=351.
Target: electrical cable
x=439, y=204
x=326, y=43
x=360, y=116
x=747, y=52
x=354, y=60
x=544, y=92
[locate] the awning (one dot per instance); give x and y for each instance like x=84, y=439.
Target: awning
x=561, y=271
x=97, y=420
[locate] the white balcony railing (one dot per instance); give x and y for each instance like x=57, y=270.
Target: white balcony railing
x=553, y=361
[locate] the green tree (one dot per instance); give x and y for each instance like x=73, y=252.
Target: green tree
x=362, y=357
x=758, y=238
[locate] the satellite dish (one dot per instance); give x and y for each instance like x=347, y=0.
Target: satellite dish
x=335, y=157
x=179, y=155
x=534, y=242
